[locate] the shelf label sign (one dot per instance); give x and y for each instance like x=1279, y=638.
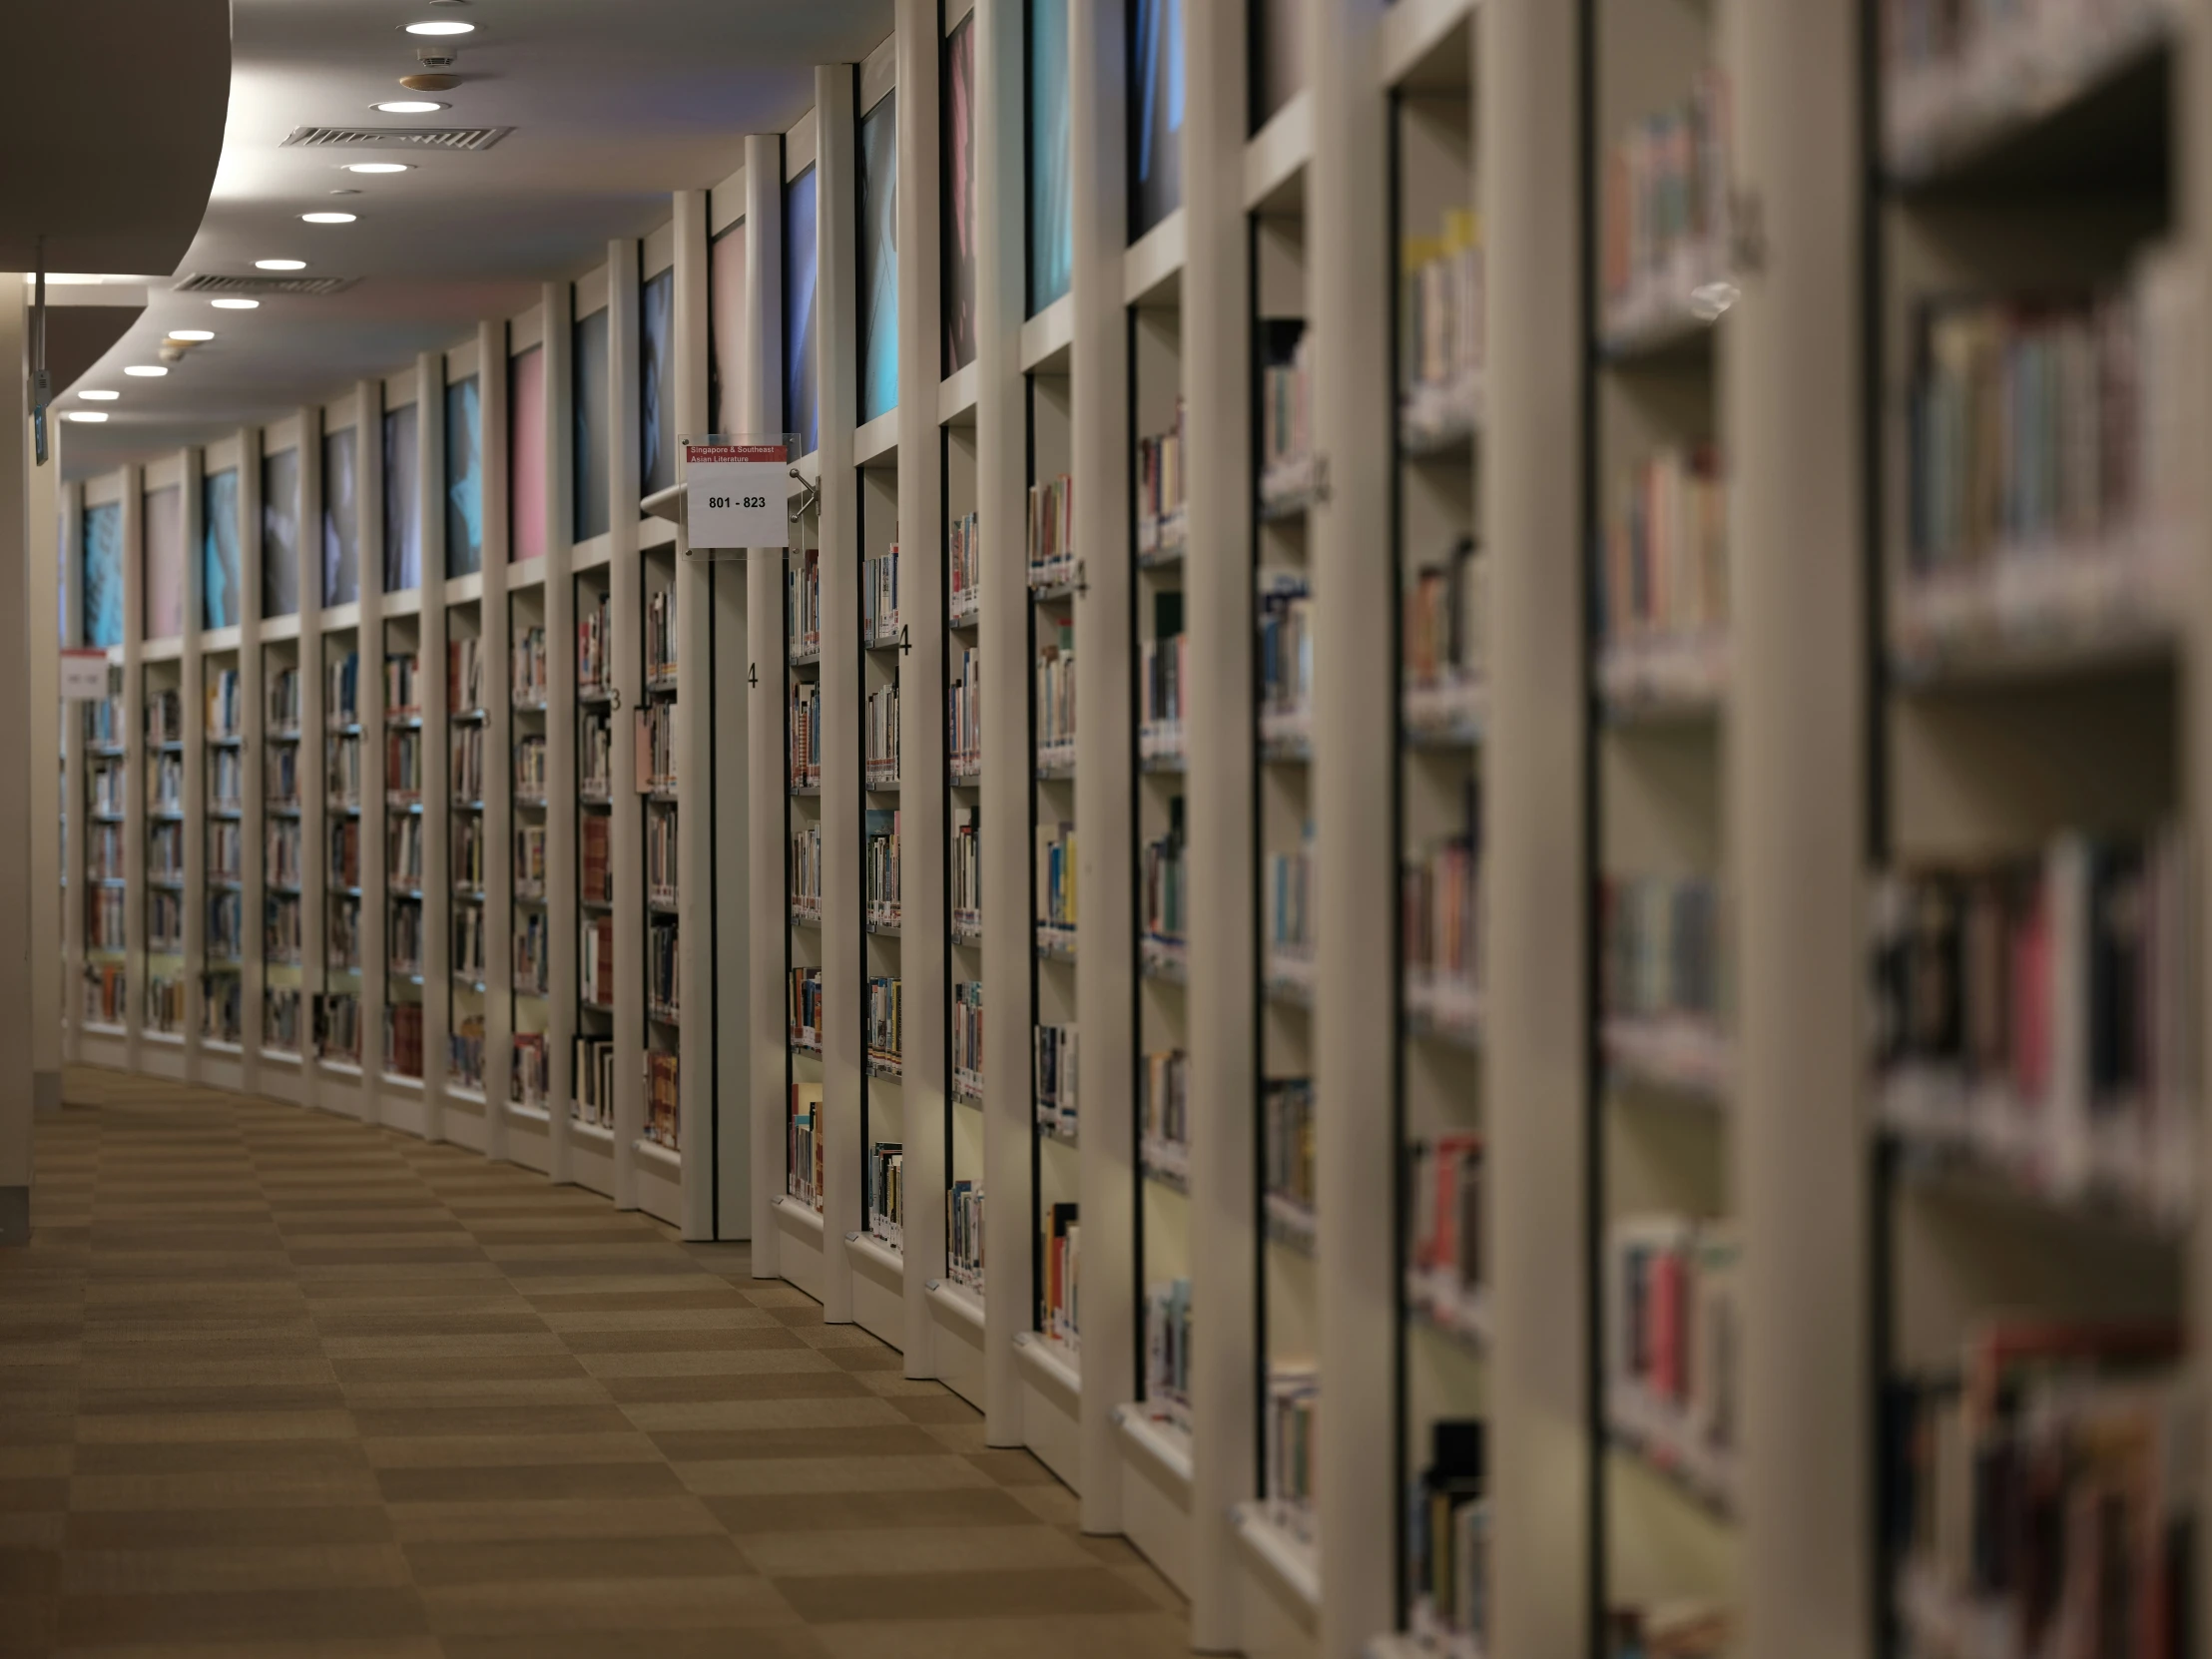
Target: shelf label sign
x=84, y=675
x=738, y=494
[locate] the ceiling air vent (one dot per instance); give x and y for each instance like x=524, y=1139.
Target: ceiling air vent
x=402, y=138
x=262, y=285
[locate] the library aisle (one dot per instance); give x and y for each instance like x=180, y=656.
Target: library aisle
x=272, y=1381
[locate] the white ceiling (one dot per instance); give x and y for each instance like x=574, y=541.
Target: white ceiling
x=614, y=104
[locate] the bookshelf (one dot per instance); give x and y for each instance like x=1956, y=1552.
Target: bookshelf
x=1442, y=1107
x=104, y=817
x=410, y=790
x=592, y=1061
x=807, y=1158
x=167, y=899
x=471, y=681
x=529, y=861
x=222, y=959
x=338, y=1007
x=1669, y=1540
x=288, y=866
x=2033, y=779
x=661, y=1133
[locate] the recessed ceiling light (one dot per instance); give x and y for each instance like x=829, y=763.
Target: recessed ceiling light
x=329, y=218
x=90, y=418
x=279, y=264
x=235, y=305
x=100, y=396
x=146, y=372
x=410, y=106
x=194, y=334
x=443, y=26
x=375, y=167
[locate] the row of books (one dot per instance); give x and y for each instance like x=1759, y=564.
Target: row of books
x=221, y=1008
x=1164, y=1113
x=226, y=850
x=1666, y=226
x=802, y=1007
x=280, y=1023
x=2038, y=1014
x=105, y=787
x=880, y=866
x=1447, y=1526
x=1162, y=489
x=342, y=695
x=165, y=783
x=532, y=968
x=595, y=960
x=1661, y=956
x=227, y=925
x=1167, y=1352
x=281, y=775
x=885, y=1193
x=653, y=756
x=1443, y=1249
x=881, y=737
x=529, y=861
x=403, y=937
x=1162, y=674
x=403, y=1039
x=1289, y=1428
x=464, y=1053
x=1287, y=1155
x=660, y=857
x=1161, y=898
x=403, y=756
x=402, y=684
x=337, y=1026
x=107, y=993
x=592, y=1081
x=466, y=773
x=1285, y=656
x=2043, y=1493
x=805, y=728
x=226, y=698
x=403, y=845
x=1440, y=327
x=1052, y=531
x=104, y=717
x=803, y=873
x=342, y=930
x=1286, y=417
x=963, y=567
x=1063, y=1262
x=106, y=928
x=1055, y=869
x=282, y=864
x=660, y=635
x=664, y=1100
x=1052, y=693
x=464, y=676
x=165, y=716
x=342, y=769
x=965, y=892
x=1441, y=926
x=595, y=874
x=964, y=1233
x=465, y=854
x=283, y=927
x=963, y=712
x=802, y=1145
x=529, y=681
x=1054, y=1075
x=164, y=852
x=1673, y=1330
x=1665, y=571
x=595, y=642
x=595, y=755
x=532, y=773
x=343, y=839
x=803, y=605
x=883, y=1013
x=164, y=923
x=1288, y=893
x=966, y=1046
x=880, y=624
x=663, y=978
x=468, y=941
x=104, y=852
x=529, y=1070
x=281, y=696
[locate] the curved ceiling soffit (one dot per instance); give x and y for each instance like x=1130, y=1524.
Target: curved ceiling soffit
x=116, y=121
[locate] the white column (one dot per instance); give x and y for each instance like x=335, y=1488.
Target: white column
x=315, y=849
x=189, y=671
x=252, y=897
x=1530, y=147
x=762, y=404
x=695, y=749
x=556, y=302
x=1217, y=378
x=133, y=508
x=41, y=545
x=1105, y=815
x=437, y=737
x=69, y=508
x=626, y=838
x=836, y=349
x=1791, y=394
x=921, y=812
x=24, y=743
x=494, y=466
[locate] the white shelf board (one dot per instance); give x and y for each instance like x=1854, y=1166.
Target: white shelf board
x=1291, y=1561
x=1411, y=31
x=956, y=396
x=1168, y=1447
x=1045, y=337
x=1152, y=268
x=1277, y=151
x=876, y=439
x=1051, y=1363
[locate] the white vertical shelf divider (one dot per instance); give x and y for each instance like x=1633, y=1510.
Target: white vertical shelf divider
x=252, y=814
x=190, y=670
x=1541, y=1458
x=762, y=403
x=836, y=339
x=625, y=649
x=923, y=834
x=432, y=759
x=497, y=822
x=54, y=770
x=557, y=306
x=133, y=510
x=1217, y=370
x=315, y=843
x=1001, y=497
x=377, y=1098
x=1105, y=815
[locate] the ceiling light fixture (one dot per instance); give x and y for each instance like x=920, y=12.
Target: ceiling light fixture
x=329, y=218
x=279, y=264
x=100, y=396
x=375, y=167
x=146, y=372
x=410, y=106
x=235, y=305
x=443, y=27
x=194, y=335
x=90, y=418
